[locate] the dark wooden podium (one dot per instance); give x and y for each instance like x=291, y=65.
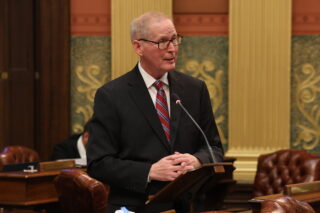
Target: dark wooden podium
x=204, y=188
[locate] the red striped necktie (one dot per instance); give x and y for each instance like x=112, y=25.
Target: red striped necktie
x=162, y=108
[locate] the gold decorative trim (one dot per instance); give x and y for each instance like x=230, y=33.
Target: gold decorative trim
x=91, y=80
x=205, y=70
x=306, y=93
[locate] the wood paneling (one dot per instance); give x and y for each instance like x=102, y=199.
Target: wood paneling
x=34, y=101
x=21, y=72
x=17, y=83
x=52, y=60
x=3, y=72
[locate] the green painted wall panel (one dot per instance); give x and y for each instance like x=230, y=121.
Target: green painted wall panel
x=90, y=69
x=305, y=93
x=206, y=58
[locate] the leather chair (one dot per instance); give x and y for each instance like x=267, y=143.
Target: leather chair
x=17, y=154
x=277, y=169
x=286, y=204
x=80, y=193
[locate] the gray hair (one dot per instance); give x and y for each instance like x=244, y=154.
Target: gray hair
x=139, y=27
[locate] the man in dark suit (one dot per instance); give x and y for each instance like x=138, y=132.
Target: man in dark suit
x=73, y=147
x=140, y=140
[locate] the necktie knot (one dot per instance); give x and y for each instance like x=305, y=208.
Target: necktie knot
x=158, y=84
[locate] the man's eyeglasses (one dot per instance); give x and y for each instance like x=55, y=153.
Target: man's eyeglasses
x=162, y=45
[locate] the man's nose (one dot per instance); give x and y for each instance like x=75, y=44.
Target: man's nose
x=171, y=47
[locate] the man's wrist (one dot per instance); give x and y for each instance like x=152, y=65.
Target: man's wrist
x=197, y=162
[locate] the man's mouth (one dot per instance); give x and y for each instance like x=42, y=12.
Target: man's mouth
x=170, y=59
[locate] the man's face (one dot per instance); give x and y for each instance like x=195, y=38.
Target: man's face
x=154, y=60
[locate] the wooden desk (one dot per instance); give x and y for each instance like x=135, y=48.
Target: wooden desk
x=28, y=190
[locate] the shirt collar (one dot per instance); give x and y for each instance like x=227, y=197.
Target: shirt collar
x=149, y=80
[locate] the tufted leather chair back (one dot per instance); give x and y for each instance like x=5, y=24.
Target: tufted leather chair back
x=17, y=154
x=277, y=169
x=286, y=204
x=80, y=193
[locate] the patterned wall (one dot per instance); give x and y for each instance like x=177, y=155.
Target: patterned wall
x=206, y=58
x=305, y=93
x=90, y=69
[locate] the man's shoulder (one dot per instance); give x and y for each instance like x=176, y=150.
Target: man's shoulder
x=120, y=82
x=185, y=78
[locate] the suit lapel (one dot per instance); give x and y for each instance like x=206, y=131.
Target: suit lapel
x=142, y=99
x=175, y=88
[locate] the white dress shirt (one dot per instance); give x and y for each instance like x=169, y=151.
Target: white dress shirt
x=149, y=81
x=81, y=148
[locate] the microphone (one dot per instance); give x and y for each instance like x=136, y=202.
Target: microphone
x=178, y=101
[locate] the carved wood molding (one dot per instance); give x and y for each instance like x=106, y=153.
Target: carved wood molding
x=306, y=24
x=91, y=24
x=201, y=24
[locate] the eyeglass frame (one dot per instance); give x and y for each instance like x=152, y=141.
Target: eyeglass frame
x=178, y=39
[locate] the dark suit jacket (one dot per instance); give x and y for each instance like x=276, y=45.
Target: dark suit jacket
x=67, y=149
x=126, y=136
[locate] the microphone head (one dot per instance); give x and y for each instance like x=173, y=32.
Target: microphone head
x=176, y=98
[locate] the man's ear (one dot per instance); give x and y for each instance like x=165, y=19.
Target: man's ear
x=138, y=48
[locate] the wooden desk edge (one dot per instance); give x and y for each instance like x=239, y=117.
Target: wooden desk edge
x=25, y=175
x=28, y=203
